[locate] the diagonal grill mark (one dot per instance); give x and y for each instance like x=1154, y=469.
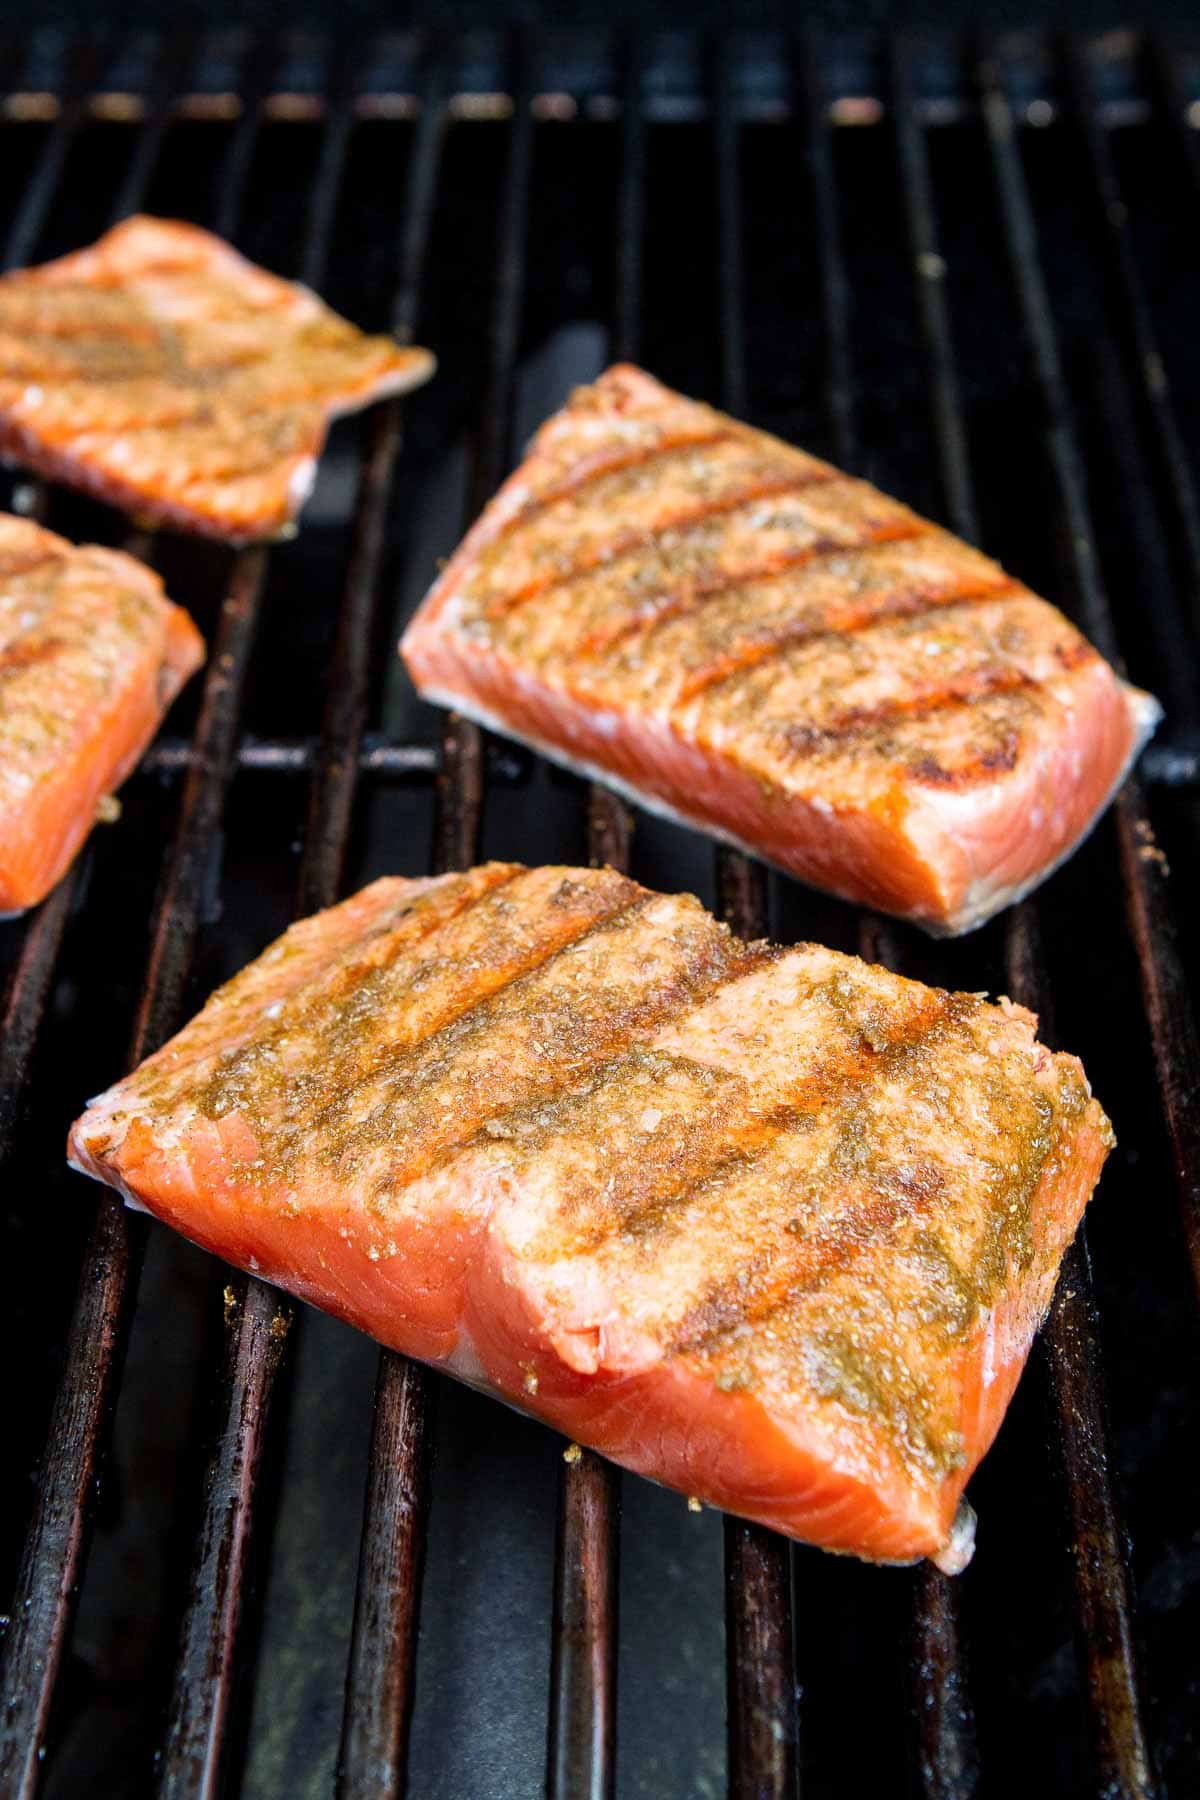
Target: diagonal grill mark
x=859, y=723
x=480, y=1004
x=327, y=977
x=20, y=654
x=751, y=1138
x=571, y=486
x=909, y=606
x=725, y=1304
x=695, y=595
x=687, y=519
x=745, y=958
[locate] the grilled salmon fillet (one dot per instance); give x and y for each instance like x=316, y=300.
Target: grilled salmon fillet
x=91, y=655
x=739, y=636
x=773, y=1227
x=165, y=373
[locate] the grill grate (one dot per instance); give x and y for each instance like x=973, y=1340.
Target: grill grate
x=474, y=107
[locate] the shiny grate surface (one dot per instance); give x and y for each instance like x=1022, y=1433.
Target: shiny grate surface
x=246, y=1553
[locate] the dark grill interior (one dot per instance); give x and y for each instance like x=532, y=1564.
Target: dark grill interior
x=966, y=271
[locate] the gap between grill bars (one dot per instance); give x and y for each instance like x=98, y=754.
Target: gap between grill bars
x=765, y=1745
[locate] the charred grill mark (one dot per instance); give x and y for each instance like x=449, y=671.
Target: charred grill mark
x=911, y=605
x=737, y=961
x=715, y=1154
x=762, y=1285
x=572, y=486
x=1075, y=654
x=20, y=655
x=623, y=543
x=859, y=721
x=694, y=595
x=346, y=999
x=871, y=727
x=982, y=766
x=167, y=1072
x=570, y=1043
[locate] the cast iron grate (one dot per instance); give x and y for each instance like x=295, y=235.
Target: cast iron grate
x=966, y=266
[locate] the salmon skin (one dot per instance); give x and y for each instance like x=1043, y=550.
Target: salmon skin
x=738, y=636
x=165, y=373
x=773, y=1227
x=92, y=653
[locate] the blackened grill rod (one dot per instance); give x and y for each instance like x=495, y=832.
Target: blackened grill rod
x=1144, y=356
x=56, y=1544
x=379, y=1677
x=1101, y=1577
x=379, y=1686
x=1146, y=879
x=760, y=1655
x=460, y=789
x=259, y=1318
x=26, y=1000
x=1162, y=55
x=174, y=65
x=581, y=1754
x=943, y=1723
x=41, y=189
x=55, y=1548
x=1119, y=1744
x=1071, y=1348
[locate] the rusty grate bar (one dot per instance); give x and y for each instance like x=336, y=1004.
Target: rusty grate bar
x=1146, y=880
x=760, y=1657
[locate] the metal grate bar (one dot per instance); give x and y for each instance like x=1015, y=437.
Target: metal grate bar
x=260, y=1317
x=295, y=756
x=56, y=1544
x=379, y=1684
x=1172, y=102
x=42, y=187
x=1145, y=357
x=760, y=1656
x=813, y=105
x=175, y=63
x=379, y=1678
x=1070, y=1336
x=631, y=204
x=25, y=1003
x=1164, y=982
x=943, y=1720
x=581, y=1760
x=1102, y=1605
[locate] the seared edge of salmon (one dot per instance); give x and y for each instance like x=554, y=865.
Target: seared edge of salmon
x=865, y=804
x=161, y=267
x=86, y=676
x=880, y=864
x=775, y=1227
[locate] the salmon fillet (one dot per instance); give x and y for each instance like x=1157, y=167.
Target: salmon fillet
x=773, y=1227
x=737, y=635
x=91, y=655
x=165, y=373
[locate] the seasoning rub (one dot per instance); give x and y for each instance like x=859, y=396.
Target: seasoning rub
x=774, y=1227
